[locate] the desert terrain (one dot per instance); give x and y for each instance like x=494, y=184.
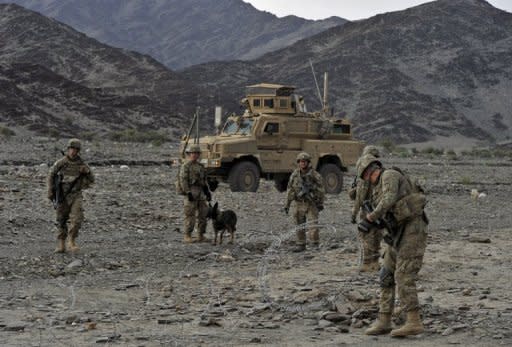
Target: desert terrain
x=134, y=283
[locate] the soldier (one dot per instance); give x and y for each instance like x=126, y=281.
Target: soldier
x=306, y=188
x=398, y=203
x=192, y=180
x=370, y=241
x=75, y=176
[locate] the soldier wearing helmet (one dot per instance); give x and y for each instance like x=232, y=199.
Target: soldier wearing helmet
x=370, y=241
x=306, y=188
x=398, y=203
x=74, y=175
x=193, y=185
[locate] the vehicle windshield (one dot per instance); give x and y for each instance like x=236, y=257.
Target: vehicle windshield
x=240, y=126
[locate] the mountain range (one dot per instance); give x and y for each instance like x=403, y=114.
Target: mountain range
x=52, y=76
x=182, y=33
x=441, y=71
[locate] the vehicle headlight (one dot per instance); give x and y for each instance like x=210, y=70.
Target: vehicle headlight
x=210, y=162
x=214, y=163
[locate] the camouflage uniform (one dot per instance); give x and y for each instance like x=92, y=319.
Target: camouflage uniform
x=306, y=205
x=73, y=170
x=371, y=240
x=404, y=258
x=192, y=178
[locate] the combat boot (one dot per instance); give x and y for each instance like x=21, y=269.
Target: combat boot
x=314, y=237
x=412, y=326
x=73, y=247
x=315, y=245
x=202, y=238
x=381, y=326
x=61, y=246
x=187, y=238
x=300, y=244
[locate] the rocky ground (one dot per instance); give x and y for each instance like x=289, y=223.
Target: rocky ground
x=135, y=284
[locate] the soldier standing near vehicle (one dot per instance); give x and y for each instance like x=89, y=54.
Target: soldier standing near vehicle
x=306, y=188
x=193, y=185
x=370, y=240
x=398, y=203
x=66, y=180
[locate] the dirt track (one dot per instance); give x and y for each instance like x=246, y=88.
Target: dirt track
x=140, y=286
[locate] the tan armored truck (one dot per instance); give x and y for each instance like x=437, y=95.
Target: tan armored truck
x=264, y=142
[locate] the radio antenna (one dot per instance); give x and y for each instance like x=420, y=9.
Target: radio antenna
x=316, y=83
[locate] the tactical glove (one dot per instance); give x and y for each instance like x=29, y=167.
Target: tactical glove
x=84, y=170
x=353, y=219
x=190, y=196
x=320, y=207
x=286, y=209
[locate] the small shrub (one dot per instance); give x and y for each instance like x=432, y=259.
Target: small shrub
x=133, y=135
x=402, y=152
x=451, y=154
x=481, y=153
x=6, y=132
x=433, y=151
x=388, y=145
x=53, y=133
x=465, y=180
x=88, y=136
x=157, y=142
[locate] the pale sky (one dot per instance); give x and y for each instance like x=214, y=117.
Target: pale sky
x=348, y=9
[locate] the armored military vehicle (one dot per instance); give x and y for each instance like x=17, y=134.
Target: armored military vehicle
x=264, y=141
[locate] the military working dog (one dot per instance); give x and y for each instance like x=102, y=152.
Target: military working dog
x=222, y=221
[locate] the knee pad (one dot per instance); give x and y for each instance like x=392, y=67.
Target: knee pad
x=386, y=278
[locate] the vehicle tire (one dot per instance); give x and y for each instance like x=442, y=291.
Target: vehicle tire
x=333, y=178
x=244, y=177
x=281, y=183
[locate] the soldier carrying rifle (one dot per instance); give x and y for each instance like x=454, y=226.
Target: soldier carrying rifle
x=306, y=188
x=66, y=180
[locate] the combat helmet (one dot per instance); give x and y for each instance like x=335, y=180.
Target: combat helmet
x=303, y=156
x=365, y=163
x=371, y=149
x=74, y=143
x=193, y=149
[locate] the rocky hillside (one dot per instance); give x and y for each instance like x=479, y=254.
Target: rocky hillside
x=438, y=71
x=182, y=33
x=53, y=77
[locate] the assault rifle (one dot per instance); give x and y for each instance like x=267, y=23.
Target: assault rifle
x=58, y=194
x=306, y=190
x=388, y=222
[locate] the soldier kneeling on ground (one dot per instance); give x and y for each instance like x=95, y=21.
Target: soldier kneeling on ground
x=193, y=185
x=67, y=178
x=398, y=205
x=306, y=188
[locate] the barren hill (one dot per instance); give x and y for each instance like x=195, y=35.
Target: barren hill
x=55, y=77
x=182, y=33
x=435, y=71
